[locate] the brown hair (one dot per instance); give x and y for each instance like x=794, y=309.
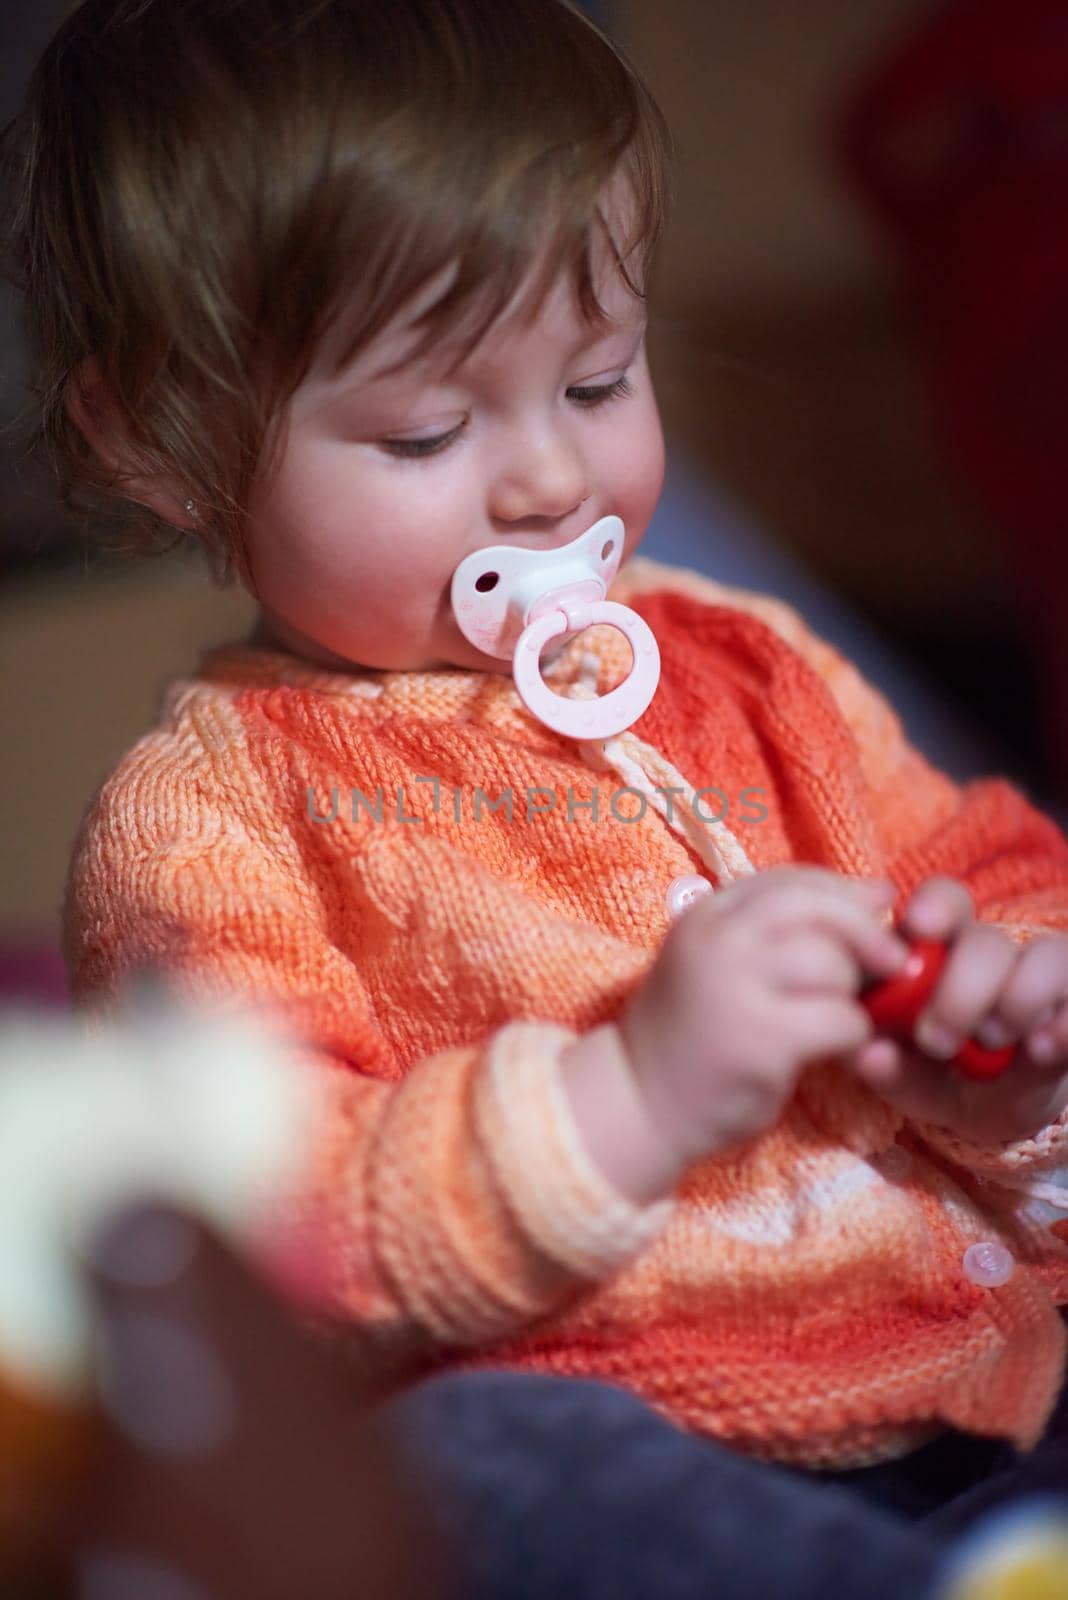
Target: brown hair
x=196, y=190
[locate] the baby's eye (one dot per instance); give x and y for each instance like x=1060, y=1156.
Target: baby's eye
x=421, y=447
x=588, y=398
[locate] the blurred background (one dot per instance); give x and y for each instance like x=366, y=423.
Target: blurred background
x=862, y=303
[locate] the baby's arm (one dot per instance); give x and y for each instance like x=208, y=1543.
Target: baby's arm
x=607, y=1107
x=460, y=1200
x=985, y=834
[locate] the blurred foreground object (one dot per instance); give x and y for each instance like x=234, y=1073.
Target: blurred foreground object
x=959, y=142
x=236, y=1462
x=1019, y=1552
x=208, y=1115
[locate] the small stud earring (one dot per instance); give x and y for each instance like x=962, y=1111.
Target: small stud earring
x=191, y=510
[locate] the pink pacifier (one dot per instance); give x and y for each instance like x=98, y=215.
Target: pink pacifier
x=511, y=602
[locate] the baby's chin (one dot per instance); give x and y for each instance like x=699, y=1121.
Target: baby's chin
x=456, y=652
x=470, y=656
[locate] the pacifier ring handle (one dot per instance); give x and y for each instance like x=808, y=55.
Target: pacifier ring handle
x=609, y=714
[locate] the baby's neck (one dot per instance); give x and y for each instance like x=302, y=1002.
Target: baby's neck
x=269, y=634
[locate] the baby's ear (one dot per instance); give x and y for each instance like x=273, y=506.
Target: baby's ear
x=91, y=408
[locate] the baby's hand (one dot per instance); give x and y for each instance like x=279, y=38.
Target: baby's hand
x=997, y=991
x=749, y=985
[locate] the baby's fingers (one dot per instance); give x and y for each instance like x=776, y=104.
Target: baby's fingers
x=978, y=966
x=1047, y=1042
x=809, y=961
x=938, y=909
x=1034, y=1001
x=825, y=1025
x=797, y=913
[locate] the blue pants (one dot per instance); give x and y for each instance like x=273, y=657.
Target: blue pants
x=546, y=1486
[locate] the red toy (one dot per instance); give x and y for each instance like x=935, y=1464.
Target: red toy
x=895, y=1003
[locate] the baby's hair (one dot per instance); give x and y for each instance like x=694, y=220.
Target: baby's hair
x=197, y=192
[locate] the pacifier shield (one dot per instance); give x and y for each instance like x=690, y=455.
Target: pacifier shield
x=510, y=602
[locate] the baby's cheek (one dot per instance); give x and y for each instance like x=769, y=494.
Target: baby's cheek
x=640, y=469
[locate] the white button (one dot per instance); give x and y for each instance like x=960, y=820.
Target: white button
x=989, y=1264
x=682, y=892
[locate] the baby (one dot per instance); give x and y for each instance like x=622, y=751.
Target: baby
x=350, y=291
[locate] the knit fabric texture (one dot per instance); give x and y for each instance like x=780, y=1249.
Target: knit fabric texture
x=340, y=848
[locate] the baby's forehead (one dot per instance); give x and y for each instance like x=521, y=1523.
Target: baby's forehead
x=403, y=352
x=543, y=301
x=507, y=340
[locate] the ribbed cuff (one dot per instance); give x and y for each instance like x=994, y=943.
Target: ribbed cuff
x=561, y=1199
x=1037, y=1153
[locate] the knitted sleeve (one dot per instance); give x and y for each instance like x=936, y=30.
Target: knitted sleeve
x=456, y=1196
x=985, y=833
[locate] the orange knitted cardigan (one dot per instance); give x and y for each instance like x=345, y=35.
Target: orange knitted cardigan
x=800, y=1297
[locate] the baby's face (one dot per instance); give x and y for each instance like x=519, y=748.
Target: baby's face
x=385, y=485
